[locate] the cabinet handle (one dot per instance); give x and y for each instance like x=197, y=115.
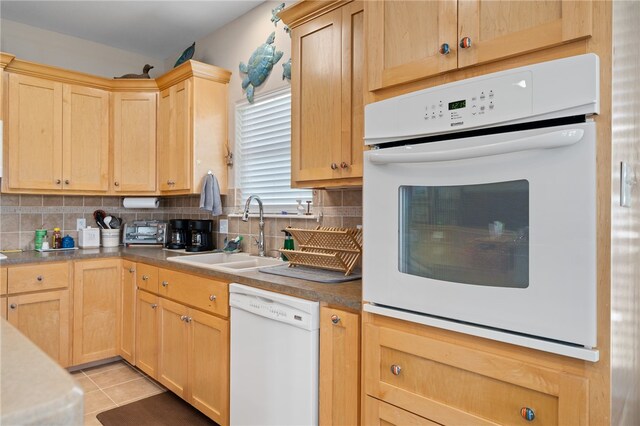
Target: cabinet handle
x=116, y=183
x=212, y=297
x=131, y=270
x=154, y=305
x=335, y=319
x=344, y=165
x=165, y=283
x=66, y=182
x=40, y=278
x=465, y=42
x=334, y=166
x=444, y=49
x=58, y=181
x=145, y=277
x=396, y=369
x=13, y=306
x=527, y=413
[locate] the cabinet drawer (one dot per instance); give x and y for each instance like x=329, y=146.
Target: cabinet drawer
x=378, y=413
x=147, y=277
x=3, y=281
x=202, y=293
x=450, y=384
x=27, y=278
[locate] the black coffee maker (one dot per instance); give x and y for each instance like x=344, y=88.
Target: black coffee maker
x=178, y=230
x=200, y=236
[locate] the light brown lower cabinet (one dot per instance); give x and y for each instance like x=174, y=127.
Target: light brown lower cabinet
x=127, y=344
x=378, y=413
x=96, y=309
x=3, y=293
x=448, y=383
x=193, y=358
x=3, y=307
x=339, y=367
x=147, y=316
x=44, y=318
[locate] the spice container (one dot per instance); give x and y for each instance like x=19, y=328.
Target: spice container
x=56, y=239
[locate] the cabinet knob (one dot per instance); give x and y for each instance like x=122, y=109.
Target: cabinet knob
x=396, y=369
x=465, y=42
x=212, y=297
x=165, y=283
x=344, y=165
x=183, y=317
x=189, y=319
x=334, y=166
x=444, y=49
x=66, y=181
x=116, y=183
x=13, y=306
x=527, y=413
x=131, y=270
x=154, y=305
x=40, y=278
x=335, y=319
x=58, y=181
x=145, y=277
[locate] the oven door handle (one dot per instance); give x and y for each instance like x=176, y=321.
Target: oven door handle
x=556, y=139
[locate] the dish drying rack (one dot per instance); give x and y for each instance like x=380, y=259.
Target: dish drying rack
x=337, y=249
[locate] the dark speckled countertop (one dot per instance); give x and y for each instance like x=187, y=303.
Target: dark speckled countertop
x=345, y=295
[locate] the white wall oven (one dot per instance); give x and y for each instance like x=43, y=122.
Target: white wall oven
x=480, y=206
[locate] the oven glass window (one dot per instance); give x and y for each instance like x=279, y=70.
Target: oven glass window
x=470, y=234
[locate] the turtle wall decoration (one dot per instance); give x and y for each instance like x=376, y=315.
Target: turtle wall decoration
x=274, y=14
x=286, y=70
x=259, y=65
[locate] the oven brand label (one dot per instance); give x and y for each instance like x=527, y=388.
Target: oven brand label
x=457, y=123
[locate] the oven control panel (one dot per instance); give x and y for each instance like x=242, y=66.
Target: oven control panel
x=559, y=88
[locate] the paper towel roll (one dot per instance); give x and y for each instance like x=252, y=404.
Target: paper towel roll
x=141, y=203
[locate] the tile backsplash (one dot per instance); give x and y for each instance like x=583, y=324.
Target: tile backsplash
x=21, y=215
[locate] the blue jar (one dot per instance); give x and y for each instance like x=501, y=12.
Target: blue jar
x=67, y=242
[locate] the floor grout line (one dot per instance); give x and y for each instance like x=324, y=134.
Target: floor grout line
x=122, y=383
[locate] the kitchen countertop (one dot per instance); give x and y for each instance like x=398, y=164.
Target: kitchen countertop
x=345, y=295
x=34, y=390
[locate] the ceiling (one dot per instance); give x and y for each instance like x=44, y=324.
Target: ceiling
x=158, y=29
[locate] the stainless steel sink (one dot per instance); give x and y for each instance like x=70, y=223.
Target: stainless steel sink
x=227, y=262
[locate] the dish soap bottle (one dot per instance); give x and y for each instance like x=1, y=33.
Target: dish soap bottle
x=288, y=243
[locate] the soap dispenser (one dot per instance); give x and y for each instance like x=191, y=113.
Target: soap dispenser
x=288, y=243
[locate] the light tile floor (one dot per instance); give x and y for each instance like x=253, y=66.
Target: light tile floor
x=112, y=385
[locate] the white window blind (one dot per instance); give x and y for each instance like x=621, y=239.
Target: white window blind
x=263, y=148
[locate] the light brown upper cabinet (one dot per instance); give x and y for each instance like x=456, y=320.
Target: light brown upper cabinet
x=405, y=39
x=192, y=127
x=134, y=142
x=327, y=105
x=58, y=136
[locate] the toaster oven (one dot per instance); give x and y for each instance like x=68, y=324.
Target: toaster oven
x=145, y=232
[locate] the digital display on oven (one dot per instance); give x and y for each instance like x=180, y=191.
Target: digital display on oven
x=457, y=104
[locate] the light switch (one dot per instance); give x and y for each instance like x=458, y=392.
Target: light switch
x=224, y=226
x=626, y=182
x=81, y=223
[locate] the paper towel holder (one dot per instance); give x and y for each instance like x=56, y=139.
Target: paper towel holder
x=141, y=203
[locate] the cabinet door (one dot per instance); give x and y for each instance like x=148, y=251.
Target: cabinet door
x=85, y=139
x=174, y=138
x=35, y=133
x=316, y=98
x=147, y=333
x=404, y=39
x=499, y=29
x=352, y=90
x=96, y=310
x=339, y=367
x=209, y=365
x=44, y=319
x=173, y=346
x=128, y=317
x=134, y=142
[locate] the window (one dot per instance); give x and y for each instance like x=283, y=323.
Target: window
x=263, y=146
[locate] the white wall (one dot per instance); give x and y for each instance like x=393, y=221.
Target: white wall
x=60, y=50
x=234, y=43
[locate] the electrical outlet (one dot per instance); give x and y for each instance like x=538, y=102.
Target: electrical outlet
x=224, y=226
x=81, y=223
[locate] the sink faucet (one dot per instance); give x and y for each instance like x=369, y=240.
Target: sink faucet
x=245, y=217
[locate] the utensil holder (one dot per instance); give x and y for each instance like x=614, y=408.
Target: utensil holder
x=110, y=237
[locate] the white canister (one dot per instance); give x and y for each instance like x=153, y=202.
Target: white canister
x=110, y=237
x=89, y=237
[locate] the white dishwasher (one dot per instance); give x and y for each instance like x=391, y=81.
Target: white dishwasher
x=274, y=358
